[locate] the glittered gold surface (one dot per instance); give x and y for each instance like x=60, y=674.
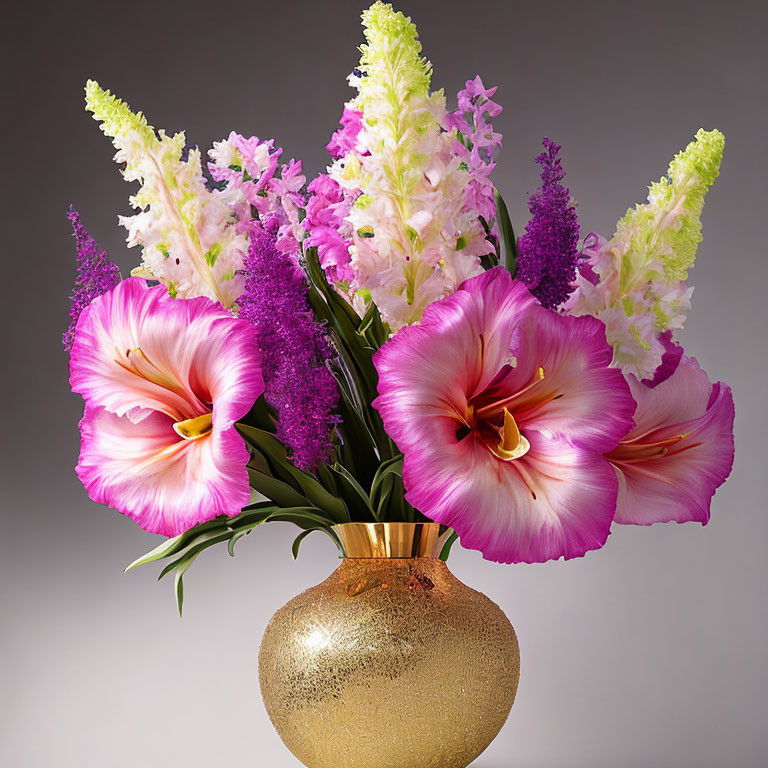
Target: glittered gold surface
x=389, y=663
x=392, y=539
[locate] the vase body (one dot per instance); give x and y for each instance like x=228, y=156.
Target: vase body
x=391, y=662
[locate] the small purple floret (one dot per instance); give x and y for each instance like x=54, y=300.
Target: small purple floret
x=293, y=347
x=96, y=275
x=548, y=249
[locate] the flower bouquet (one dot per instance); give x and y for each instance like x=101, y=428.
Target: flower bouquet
x=377, y=348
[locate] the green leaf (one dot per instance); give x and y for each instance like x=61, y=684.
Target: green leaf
x=372, y=328
x=261, y=415
x=297, y=541
x=327, y=531
x=353, y=494
x=358, y=450
x=179, y=588
x=355, y=344
x=195, y=547
x=382, y=498
x=398, y=508
x=304, y=517
x=225, y=529
x=447, y=546
x=507, y=234
x=327, y=479
x=336, y=302
x=275, y=490
x=319, y=306
x=307, y=517
x=388, y=493
x=392, y=466
x=350, y=380
x=489, y=261
x=345, y=322
x=168, y=547
x=273, y=449
x=360, y=358
x=172, y=545
x=231, y=546
x=254, y=506
x=179, y=582
x=182, y=550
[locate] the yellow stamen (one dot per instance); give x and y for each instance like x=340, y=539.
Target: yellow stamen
x=512, y=444
x=489, y=410
x=192, y=429
x=636, y=451
x=511, y=435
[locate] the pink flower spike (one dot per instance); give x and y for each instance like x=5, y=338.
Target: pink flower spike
x=164, y=381
x=680, y=451
x=345, y=139
x=503, y=411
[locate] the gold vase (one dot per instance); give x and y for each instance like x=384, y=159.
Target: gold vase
x=391, y=662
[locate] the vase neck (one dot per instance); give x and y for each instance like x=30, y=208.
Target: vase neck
x=392, y=540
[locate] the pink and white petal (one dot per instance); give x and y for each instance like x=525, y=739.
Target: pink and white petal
x=683, y=396
x=427, y=369
x=460, y=344
x=109, y=329
x=213, y=356
x=673, y=353
x=164, y=483
x=679, y=486
x=226, y=367
x=557, y=501
x=190, y=351
x=579, y=395
x=498, y=307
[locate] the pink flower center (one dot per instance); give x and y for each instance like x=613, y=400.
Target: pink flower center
x=490, y=418
x=180, y=403
x=193, y=429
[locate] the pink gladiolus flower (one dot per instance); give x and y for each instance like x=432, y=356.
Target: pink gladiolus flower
x=164, y=381
x=503, y=411
x=680, y=451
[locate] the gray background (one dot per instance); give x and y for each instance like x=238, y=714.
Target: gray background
x=651, y=652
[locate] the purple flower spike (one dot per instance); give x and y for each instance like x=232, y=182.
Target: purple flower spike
x=548, y=250
x=293, y=347
x=96, y=275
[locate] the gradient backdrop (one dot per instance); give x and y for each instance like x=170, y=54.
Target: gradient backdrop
x=651, y=652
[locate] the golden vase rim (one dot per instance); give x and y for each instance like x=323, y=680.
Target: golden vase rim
x=392, y=540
